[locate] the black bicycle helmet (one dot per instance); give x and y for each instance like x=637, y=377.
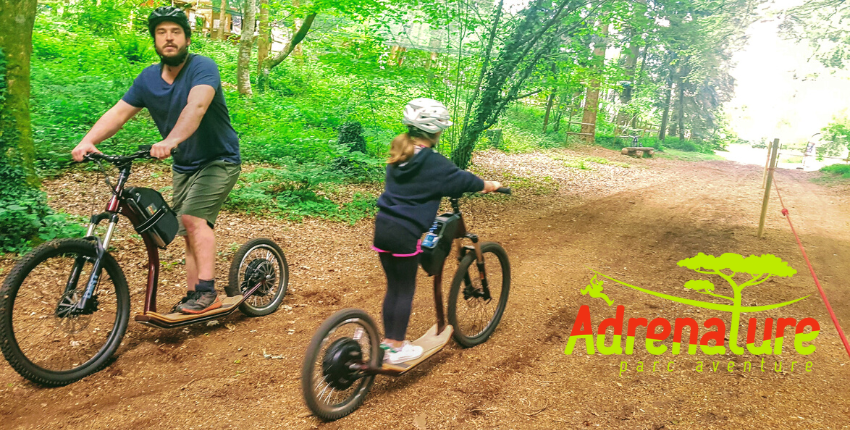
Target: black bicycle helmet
x=170, y=14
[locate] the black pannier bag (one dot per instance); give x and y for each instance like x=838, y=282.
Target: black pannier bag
x=156, y=218
x=438, y=243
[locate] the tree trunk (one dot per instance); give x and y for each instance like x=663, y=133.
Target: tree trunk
x=575, y=103
x=16, y=19
x=246, y=43
x=528, y=43
x=591, y=100
x=626, y=95
x=222, y=17
x=400, y=58
x=264, y=44
x=665, y=117
x=680, y=86
x=431, y=59
x=559, y=112
x=640, y=75
x=272, y=62
x=549, y=102
x=297, y=23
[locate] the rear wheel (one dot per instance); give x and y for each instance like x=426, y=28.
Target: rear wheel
x=44, y=335
x=331, y=388
x=259, y=265
x=475, y=309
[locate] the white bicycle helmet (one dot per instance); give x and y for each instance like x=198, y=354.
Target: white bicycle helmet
x=427, y=115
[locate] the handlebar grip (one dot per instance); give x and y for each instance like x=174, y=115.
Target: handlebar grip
x=147, y=148
x=504, y=190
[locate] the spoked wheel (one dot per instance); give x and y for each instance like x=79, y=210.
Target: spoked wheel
x=44, y=334
x=475, y=310
x=331, y=388
x=259, y=263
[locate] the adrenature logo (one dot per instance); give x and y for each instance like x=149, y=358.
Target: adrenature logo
x=727, y=266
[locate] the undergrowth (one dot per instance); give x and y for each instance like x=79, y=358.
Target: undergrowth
x=834, y=173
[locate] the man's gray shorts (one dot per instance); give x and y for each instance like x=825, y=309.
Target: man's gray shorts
x=202, y=192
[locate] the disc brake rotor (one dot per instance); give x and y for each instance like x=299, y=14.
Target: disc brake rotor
x=69, y=318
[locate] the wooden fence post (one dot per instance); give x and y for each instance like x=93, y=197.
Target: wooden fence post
x=766, y=164
x=768, y=182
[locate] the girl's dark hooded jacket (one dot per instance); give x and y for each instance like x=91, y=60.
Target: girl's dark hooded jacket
x=413, y=190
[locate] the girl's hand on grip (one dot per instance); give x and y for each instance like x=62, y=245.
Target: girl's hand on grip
x=490, y=186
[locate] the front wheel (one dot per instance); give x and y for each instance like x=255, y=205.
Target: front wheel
x=44, y=334
x=475, y=309
x=259, y=265
x=331, y=388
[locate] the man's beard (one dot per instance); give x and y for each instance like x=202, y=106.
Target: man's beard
x=174, y=60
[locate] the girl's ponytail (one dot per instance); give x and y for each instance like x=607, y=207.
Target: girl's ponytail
x=403, y=146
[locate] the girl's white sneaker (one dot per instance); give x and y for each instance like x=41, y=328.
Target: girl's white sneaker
x=407, y=352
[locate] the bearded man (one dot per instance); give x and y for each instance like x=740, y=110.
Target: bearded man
x=184, y=97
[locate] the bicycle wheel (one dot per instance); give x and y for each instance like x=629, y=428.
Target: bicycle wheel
x=259, y=261
x=331, y=389
x=474, y=312
x=42, y=337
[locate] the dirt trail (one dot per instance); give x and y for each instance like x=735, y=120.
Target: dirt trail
x=632, y=223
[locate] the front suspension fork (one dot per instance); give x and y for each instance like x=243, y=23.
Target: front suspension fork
x=482, y=273
x=80, y=261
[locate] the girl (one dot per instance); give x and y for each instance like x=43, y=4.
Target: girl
x=417, y=179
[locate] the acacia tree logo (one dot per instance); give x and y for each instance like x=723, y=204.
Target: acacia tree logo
x=728, y=267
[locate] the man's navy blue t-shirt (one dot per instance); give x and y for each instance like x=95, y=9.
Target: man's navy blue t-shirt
x=214, y=139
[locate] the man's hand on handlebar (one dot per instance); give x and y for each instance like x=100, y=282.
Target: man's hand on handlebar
x=83, y=149
x=490, y=186
x=162, y=149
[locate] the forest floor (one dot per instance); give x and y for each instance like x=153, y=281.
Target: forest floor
x=573, y=211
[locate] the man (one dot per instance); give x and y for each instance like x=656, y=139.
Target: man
x=184, y=97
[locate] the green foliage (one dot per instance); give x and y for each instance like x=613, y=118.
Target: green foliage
x=104, y=17
x=835, y=137
x=25, y=218
x=76, y=77
x=85, y=60
x=842, y=170
x=675, y=154
x=358, y=167
x=824, y=25
x=296, y=192
x=351, y=135
x=26, y=221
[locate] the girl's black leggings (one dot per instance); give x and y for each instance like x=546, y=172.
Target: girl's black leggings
x=401, y=284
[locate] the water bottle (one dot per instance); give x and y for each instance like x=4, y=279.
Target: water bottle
x=431, y=238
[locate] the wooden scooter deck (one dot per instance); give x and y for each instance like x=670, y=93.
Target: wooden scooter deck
x=158, y=319
x=431, y=343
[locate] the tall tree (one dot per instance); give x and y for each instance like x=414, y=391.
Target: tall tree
x=264, y=42
x=222, y=18
x=541, y=29
x=246, y=44
x=591, y=99
x=16, y=144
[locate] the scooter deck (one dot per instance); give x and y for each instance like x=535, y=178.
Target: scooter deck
x=431, y=343
x=227, y=304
